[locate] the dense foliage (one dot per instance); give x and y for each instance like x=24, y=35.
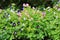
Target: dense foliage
x=5, y=3
x=30, y=24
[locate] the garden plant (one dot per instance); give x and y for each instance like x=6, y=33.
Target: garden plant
x=30, y=24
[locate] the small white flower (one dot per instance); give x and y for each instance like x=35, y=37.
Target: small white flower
x=56, y=4
x=13, y=3
x=24, y=4
x=9, y=15
x=0, y=10
x=44, y=9
x=48, y=7
x=23, y=24
x=31, y=18
x=24, y=18
x=12, y=11
x=54, y=12
x=22, y=29
x=33, y=7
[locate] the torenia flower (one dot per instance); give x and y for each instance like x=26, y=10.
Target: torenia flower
x=27, y=4
x=43, y=13
x=24, y=4
x=18, y=13
x=58, y=9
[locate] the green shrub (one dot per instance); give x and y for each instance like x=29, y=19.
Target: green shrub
x=31, y=25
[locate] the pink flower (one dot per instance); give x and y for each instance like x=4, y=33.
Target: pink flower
x=19, y=14
x=27, y=4
x=43, y=13
x=24, y=4
x=58, y=9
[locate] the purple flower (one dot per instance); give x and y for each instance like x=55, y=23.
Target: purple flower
x=43, y=14
x=22, y=8
x=18, y=23
x=18, y=11
x=13, y=24
x=58, y=9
